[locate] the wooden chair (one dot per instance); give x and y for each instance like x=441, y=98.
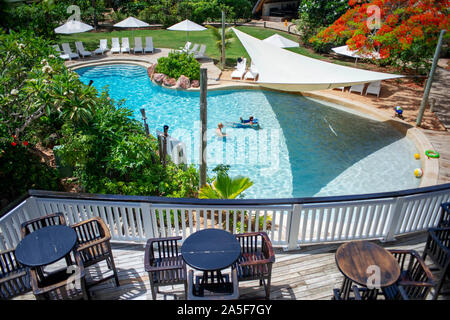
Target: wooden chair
x=60, y=285
x=415, y=280
x=438, y=249
x=227, y=290
x=164, y=264
x=444, y=220
x=14, y=277
x=94, y=246
x=256, y=260
x=41, y=222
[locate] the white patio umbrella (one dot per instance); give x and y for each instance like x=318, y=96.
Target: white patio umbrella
x=131, y=22
x=281, y=41
x=186, y=25
x=73, y=26
x=345, y=51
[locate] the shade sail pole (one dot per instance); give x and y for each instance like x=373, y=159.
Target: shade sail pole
x=223, y=40
x=426, y=93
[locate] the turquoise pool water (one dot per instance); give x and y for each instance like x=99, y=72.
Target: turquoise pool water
x=304, y=147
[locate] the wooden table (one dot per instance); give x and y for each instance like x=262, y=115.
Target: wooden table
x=359, y=261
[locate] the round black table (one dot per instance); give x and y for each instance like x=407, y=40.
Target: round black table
x=46, y=245
x=211, y=250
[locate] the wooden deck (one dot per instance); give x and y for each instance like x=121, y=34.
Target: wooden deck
x=306, y=274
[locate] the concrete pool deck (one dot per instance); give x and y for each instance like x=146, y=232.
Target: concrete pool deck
x=435, y=171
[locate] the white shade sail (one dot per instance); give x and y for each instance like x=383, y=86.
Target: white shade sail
x=344, y=50
x=186, y=25
x=131, y=22
x=280, y=41
x=289, y=71
x=73, y=26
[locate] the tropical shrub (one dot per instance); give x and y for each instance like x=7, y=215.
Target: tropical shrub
x=42, y=103
x=112, y=154
x=315, y=14
x=407, y=35
x=177, y=64
x=22, y=169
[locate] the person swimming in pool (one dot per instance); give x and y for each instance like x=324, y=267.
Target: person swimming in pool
x=250, y=121
x=219, y=130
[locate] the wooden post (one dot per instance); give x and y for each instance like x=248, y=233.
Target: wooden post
x=426, y=93
x=223, y=40
x=203, y=124
x=164, y=157
x=147, y=132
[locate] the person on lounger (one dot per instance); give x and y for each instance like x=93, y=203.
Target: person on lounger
x=250, y=121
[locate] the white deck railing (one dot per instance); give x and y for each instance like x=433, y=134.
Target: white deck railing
x=289, y=222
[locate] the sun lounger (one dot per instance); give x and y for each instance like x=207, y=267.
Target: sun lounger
x=340, y=88
x=115, y=45
x=239, y=72
x=357, y=88
x=148, y=45
x=138, y=45
x=69, y=52
x=200, y=54
x=185, y=48
x=103, y=47
x=61, y=55
x=125, y=45
x=194, y=49
x=81, y=51
x=374, y=88
x=251, y=74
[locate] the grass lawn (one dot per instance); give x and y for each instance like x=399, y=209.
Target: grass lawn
x=175, y=39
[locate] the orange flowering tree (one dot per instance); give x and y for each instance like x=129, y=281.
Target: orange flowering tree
x=404, y=32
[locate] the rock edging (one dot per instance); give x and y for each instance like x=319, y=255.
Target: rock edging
x=161, y=79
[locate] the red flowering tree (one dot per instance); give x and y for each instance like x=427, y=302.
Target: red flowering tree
x=406, y=34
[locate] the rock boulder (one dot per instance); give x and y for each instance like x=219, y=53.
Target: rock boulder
x=183, y=82
x=195, y=84
x=159, y=77
x=169, y=82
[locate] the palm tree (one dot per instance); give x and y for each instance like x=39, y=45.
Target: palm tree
x=225, y=187
x=217, y=33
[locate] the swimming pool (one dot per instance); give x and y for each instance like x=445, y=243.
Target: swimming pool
x=304, y=148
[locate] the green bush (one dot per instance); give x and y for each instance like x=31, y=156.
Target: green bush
x=21, y=169
x=177, y=64
x=47, y=105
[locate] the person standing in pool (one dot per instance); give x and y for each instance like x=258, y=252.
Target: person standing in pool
x=219, y=130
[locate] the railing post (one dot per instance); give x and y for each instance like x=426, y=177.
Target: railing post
x=394, y=219
x=32, y=207
x=147, y=220
x=293, y=227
